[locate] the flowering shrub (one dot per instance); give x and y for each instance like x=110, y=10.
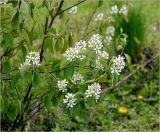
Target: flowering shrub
x=48, y=68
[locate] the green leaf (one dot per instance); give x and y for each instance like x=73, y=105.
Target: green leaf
x=15, y=20
x=56, y=98
x=15, y=79
x=9, y=39
x=26, y=37
x=52, y=30
x=70, y=40
x=102, y=78
x=1, y=104
x=3, y=44
x=128, y=58
x=18, y=105
x=12, y=112
x=36, y=79
x=31, y=8
x=6, y=104
x=68, y=72
x=47, y=101
x=6, y=66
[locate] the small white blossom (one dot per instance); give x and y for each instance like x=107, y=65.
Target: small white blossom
x=99, y=17
x=118, y=64
x=62, y=85
x=77, y=78
x=123, y=10
x=103, y=54
x=114, y=9
x=93, y=90
x=73, y=10
x=69, y=100
x=99, y=65
x=95, y=42
x=108, y=40
x=110, y=30
x=32, y=58
x=75, y=52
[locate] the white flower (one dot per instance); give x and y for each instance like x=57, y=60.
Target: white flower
x=103, y=54
x=99, y=17
x=69, y=100
x=62, y=85
x=95, y=42
x=77, y=78
x=32, y=58
x=118, y=64
x=110, y=19
x=114, y=9
x=75, y=52
x=73, y=10
x=123, y=10
x=108, y=40
x=93, y=90
x=110, y=30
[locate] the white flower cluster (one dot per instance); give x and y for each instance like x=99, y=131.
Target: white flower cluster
x=73, y=10
x=95, y=42
x=75, y=52
x=118, y=64
x=123, y=10
x=77, y=78
x=69, y=100
x=110, y=30
x=115, y=10
x=93, y=90
x=103, y=54
x=32, y=58
x=99, y=17
x=62, y=85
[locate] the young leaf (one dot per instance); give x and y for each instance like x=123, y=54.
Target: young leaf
x=9, y=39
x=128, y=58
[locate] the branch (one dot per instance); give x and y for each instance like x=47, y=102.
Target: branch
x=129, y=75
x=71, y=7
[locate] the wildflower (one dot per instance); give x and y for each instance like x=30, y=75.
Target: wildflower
x=32, y=58
x=75, y=52
x=95, y=42
x=123, y=110
x=123, y=10
x=140, y=97
x=73, y=10
x=114, y=9
x=103, y=54
x=77, y=78
x=62, y=85
x=118, y=64
x=69, y=100
x=108, y=40
x=99, y=17
x=110, y=30
x=93, y=90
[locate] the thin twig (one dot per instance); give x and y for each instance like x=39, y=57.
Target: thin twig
x=71, y=7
